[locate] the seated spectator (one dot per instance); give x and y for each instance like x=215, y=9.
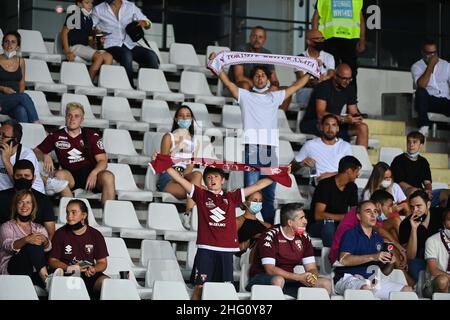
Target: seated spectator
x=333, y=198
x=24, y=176
x=248, y=226
x=87, y=251
x=14, y=102
x=180, y=143
x=11, y=151
x=437, y=256
x=381, y=179
x=112, y=17
x=281, y=248
x=431, y=77
x=80, y=154
x=359, y=252
x=315, y=43
x=414, y=231
x=242, y=74
x=412, y=171
x=324, y=153
x=23, y=241
x=79, y=42
x=330, y=96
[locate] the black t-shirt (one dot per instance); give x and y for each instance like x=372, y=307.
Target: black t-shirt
x=336, y=201
x=81, y=36
x=44, y=212
x=422, y=235
x=409, y=171
x=336, y=99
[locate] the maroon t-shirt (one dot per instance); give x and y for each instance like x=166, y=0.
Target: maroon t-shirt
x=217, y=219
x=70, y=248
x=70, y=151
x=274, y=247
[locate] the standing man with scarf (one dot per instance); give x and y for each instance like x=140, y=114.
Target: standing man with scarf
x=259, y=114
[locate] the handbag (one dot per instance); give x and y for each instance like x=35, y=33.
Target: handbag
x=135, y=32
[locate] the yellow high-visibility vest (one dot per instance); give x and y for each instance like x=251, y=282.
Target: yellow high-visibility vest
x=340, y=18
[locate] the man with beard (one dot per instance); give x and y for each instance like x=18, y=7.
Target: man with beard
x=323, y=153
x=331, y=96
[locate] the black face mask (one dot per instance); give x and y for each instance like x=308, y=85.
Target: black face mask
x=22, y=183
x=319, y=46
x=75, y=227
x=24, y=218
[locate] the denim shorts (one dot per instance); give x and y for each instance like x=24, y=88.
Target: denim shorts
x=164, y=179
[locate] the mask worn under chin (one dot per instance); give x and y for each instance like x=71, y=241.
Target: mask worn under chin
x=85, y=12
x=185, y=124
x=382, y=217
x=24, y=218
x=447, y=233
x=319, y=46
x=262, y=90
x=22, y=183
x=10, y=54
x=386, y=183
x=299, y=231
x=75, y=227
x=255, y=207
x=413, y=155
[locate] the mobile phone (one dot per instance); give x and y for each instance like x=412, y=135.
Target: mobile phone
x=387, y=247
x=421, y=218
x=355, y=115
x=85, y=263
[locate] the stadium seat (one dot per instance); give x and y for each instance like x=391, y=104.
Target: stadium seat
x=440, y=296
x=118, y=143
x=152, y=142
x=104, y=230
x=312, y=294
x=162, y=269
x=191, y=252
x=163, y=64
x=121, y=216
x=119, y=289
x=285, y=153
x=244, y=276
x=117, y=248
x=76, y=76
x=43, y=110
x=38, y=75
x=210, y=49
x=155, y=34
x=17, y=287
x=231, y=117
x=156, y=250
x=351, y=294
x=33, y=46
x=154, y=83
x=266, y=292
x=202, y=116
x=156, y=113
x=58, y=49
x=164, y=218
x=360, y=153
x=194, y=85
x=287, y=195
x=219, y=291
x=235, y=180
x=285, y=132
x=90, y=120
x=114, y=78
x=117, y=110
x=396, y=275
x=233, y=150
x=387, y=154
x=183, y=55
x=33, y=134
x=68, y=288
x=403, y=296
x=169, y=290
x=325, y=265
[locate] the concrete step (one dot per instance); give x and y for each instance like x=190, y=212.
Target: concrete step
x=386, y=127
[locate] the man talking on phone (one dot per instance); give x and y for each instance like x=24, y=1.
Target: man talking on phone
x=11, y=150
x=331, y=96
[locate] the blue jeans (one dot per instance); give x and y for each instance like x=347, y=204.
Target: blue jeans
x=18, y=106
x=145, y=57
x=415, y=266
x=264, y=156
x=324, y=230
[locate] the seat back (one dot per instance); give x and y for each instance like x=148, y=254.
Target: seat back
x=118, y=142
x=285, y=153
x=325, y=265
x=119, y=289
x=396, y=275
x=113, y=77
x=283, y=123
x=68, y=288
x=351, y=294
x=285, y=194
x=265, y=292
x=164, y=216
x=116, y=109
x=123, y=177
x=37, y=71
x=75, y=74
x=32, y=41
x=156, y=112
x=156, y=250
x=162, y=269
x=387, y=154
x=440, y=296
x=81, y=99
x=233, y=149
x=32, y=134
x=202, y=116
x=219, y=291
x=120, y=214
x=62, y=211
x=231, y=117
x=152, y=80
x=17, y=287
x=169, y=290
x=40, y=103
x=403, y=296
x=312, y=294
x=152, y=142
x=194, y=83
x=183, y=54
x=360, y=153
x=117, y=248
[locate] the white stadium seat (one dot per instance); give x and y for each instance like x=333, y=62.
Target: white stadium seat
x=156, y=250
x=231, y=117
x=38, y=75
x=76, y=76
x=119, y=289
x=90, y=120
x=33, y=45
x=183, y=55
x=68, y=288
x=351, y=294
x=440, y=296
x=163, y=64
x=285, y=132
x=162, y=269
x=266, y=292
x=32, y=134
x=387, y=154
x=117, y=248
x=312, y=294
x=169, y=290
x=219, y=291
x=403, y=296
x=118, y=143
x=360, y=153
x=117, y=110
x=115, y=78
x=154, y=83
x=43, y=110
x=194, y=85
x=156, y=113
x=17, y=287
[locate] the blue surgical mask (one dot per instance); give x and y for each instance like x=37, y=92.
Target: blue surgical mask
x=185, y=124
x=413, y=155
x=381, y=217
x=262, y=90
x=255, y=207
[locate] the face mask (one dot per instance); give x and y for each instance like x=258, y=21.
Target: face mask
x=381, y=217
x=386, y=183
x=318, y=46
x=75, y=227
x=255, y=207
x=299, y=231
x=24, y=218
x=447, y=233
x=9, y=54
x=185, y=124
x=255, y=89
x=426, y=57
x=85, y=12
x=413, y=155
x=22, y=183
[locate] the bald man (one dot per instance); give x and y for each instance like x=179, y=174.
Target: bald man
x=315, y=43
x=330, y=96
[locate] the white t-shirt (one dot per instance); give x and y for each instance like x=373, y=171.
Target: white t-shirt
x=326, y=58
x=6, y=182
x=439, y=83
x=435, y=249
x=259, y=116
x=327, y=157
x=395, y=190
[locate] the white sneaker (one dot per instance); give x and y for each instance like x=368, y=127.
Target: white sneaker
x=424, y=130
x=186, y=220
x=58, y=273
x=54, y=185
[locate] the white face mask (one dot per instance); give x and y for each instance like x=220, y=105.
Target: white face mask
x=9, y=54
x=447, y=233
x=386, y=183
x=86, y=13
